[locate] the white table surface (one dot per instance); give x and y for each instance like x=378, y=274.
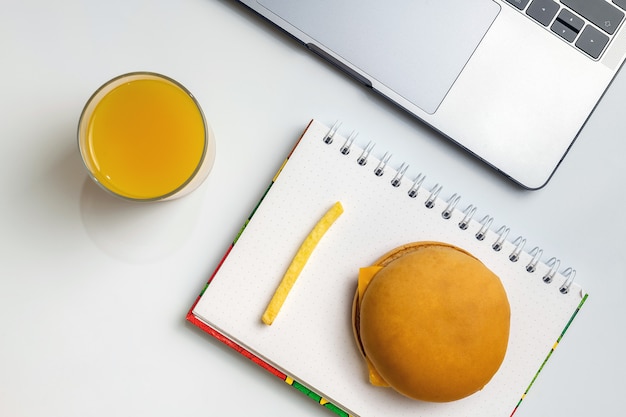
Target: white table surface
x=94, y=290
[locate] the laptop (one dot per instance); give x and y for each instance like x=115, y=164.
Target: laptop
x=511, y=81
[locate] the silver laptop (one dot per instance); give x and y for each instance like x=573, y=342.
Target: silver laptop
x=511, y=81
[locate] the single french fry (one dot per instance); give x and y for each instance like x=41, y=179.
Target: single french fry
x=299, y=261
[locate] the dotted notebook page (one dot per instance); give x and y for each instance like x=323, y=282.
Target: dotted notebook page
x=311, y=339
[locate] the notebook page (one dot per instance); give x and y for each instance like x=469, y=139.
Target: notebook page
x=312, y=340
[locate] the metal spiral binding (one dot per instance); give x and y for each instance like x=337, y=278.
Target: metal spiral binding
x=397, y=179
x=536, y=254
x=362, y=160
x=380, y=169
x=554, y=265
x=434, y=193
x=345, y=149
x=519, y=246
x=468, y=214
x=328, y=139
x=452, y=202
x=417, y=184
x=486, y=224
x=503, y=232
x=569, y=275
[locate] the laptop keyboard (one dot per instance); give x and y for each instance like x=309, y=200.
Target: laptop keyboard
x=589, y=25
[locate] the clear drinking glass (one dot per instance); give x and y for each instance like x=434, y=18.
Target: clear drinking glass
x=143, y=137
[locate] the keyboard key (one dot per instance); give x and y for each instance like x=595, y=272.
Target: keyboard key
x=599, y=12
x=620, y=3
x=520, y=4
x=592, y=41
x=563, y=30
x=543, y=11
x=567, y=25
x=570, y=19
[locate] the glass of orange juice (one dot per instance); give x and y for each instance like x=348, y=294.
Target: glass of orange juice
x=144, y=137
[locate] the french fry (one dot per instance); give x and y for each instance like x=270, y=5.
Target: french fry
x=299, y=261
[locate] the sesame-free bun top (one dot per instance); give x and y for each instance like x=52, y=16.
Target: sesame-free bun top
x=432, y=321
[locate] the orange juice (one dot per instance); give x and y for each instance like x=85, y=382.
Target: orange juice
x=143, y=136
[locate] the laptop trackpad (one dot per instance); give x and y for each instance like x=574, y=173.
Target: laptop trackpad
x=417, y=48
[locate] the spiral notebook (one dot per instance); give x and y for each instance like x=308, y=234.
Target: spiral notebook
x=311, y=345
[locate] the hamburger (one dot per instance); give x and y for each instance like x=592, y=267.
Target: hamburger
x=431, y=321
